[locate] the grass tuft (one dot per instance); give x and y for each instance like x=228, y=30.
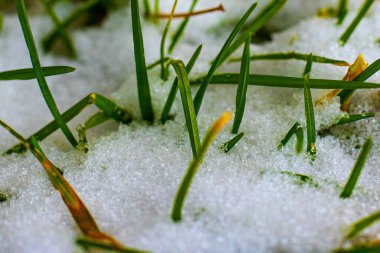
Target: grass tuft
x=23, y=17
x=226, y=147
x=141, y=70
x=194, y=166
x=357, y=169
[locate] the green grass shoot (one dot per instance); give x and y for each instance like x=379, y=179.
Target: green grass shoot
x=242, y=88
x=49, y=40
x=342, y=11
x=294, y=56
x=147, y=8
x=351, y=28
x=145, y=100
x=309, y=112
x=194, y=166
x=362, y=224
x=164, y=70
x=297, y=130
x=106, y=106
x=227, y=146
x=158, y=62
x=28, y=74
x=181, y=28
x=188, y=106
x=256, y=24
x=23, y=17
x=202, y=89
x=355, y=117
x=173, y=91
x=66, y=38
x=88, y=244
x=357, y=169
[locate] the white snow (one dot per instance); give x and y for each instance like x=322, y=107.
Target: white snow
x=239, y=202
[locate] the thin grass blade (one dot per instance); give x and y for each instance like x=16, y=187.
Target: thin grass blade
x=362, y=249
x=226, y=147
x=355, y=117
x=194, y=166
x=147, y=8
x=202, y=89
x=141, y=71
x=97, y=245
x=188, y=106
x=181, y=28
x=351, y=28
x=242, y=88
x=309, y=112
x=28, y=74
x=297, y=130
x=357, y=169
x=362, y=224
x=174, y=88
x=341, y=11
x=21, y=10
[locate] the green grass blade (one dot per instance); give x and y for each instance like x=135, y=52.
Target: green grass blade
x=164, y=70
x=355, y=117
x=226, y=147
x=181, y=28
x=48, y=5
x=299, y=140
x=188, y=106
x=39, y=73
x=51, y=37
x=351, y=28
x=363, y=249
x=309, y=112
x=258, y=22
x=141, y=71
x=147, y=8
x=342, y=11
x=28, y=74
x=357, y=169
x=287, y=82
x=242, y=88
x=202, y=89
x=98, y=245
x=297, y=130
x=294, y=56
x=106, y=106
x=194, y=166
x=362, y=224
x=174, y=88
x=158, y=62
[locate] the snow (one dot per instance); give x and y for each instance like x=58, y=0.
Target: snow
x=240, y=201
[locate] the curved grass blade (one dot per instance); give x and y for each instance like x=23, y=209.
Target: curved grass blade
x=174, y=88
x=181, y=28
x=362, y=224
x=48, y=5
x=188, y=106
x=202, y=89
x=106, y=106
x=158, y=62
x=91, y=244
x=141, y=71
x=28, y=74
x=242, y=88
x=355, y=117
x=357, y=169
x=351, y=28
x=164, y=70
x=341, y=11
x=294, y=56
x=194, y=166
x=220, y=7
x=226, y=147
x=258, y=22
x=296, y=129
x=21, y=10
x=51, y=37
x=309, y=112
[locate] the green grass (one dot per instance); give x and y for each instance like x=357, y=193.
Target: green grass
x=173, y=91
x=188, y=106
x=147, y=8
x=143, y=89
x=362, y=224
x=362, y=249
x=194, y=166
x=21, y=10
x=88, y=244
x=294, y=56
x=355, y=117
x=342, y=11
x=227, y=146
x=202, y=89
x=3, y=197
x=296, y=130
x=357, y=169
x=309, y=112
x=28, y=74
x=351, y=28
x=242, y=88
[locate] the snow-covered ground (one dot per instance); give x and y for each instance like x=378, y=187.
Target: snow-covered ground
x=239, y=202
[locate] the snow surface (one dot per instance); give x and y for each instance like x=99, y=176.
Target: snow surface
x=239, y=202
